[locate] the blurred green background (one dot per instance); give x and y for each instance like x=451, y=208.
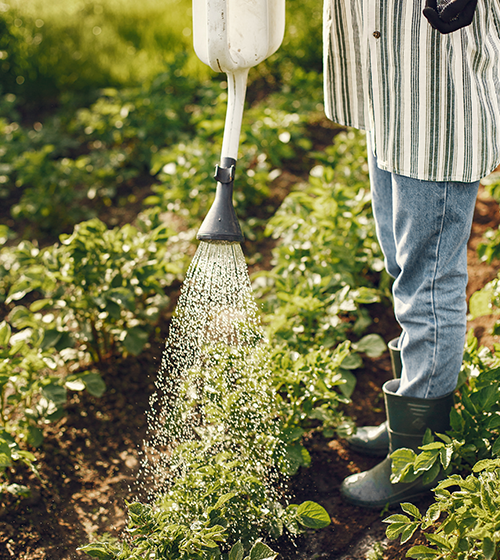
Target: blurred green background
x=53, y=48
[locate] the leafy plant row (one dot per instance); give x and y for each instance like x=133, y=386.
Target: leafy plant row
x=305, y=386
x=167, y=134
x=99, y=291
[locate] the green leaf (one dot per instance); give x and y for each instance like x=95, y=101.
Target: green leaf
x=456, y=421
x=433, y=513
x=494, y=422
x=26, y=455
x=312, y=515
x=50, y=338
x=402, y=462
x=395, y=529
x=433, y=446
x=19, y=290
x=17, y=347
x=408, y=532
x=422, y=552
x=223, y=499
x=348, y=387
x=276, y=528
x=365, y=295
x=445, y=456
x=487, y=397
x=438, y=540
x=486, y=464
x=55, y=393
x=428, y=438
x=469, y=406
x=261, y=551
x=5, y=332
x=397, y=518
x=35, y=436
x=236, y=552
x=352, y=361
x=496, y=447
x=432, y=473
x=480, y=303
x=425, y=460
x=5, y=460
x=486, y=501
x=135, y=340
x=94, y=384
x=372, y=345
x=102, y=551
x=113, y=309
x=294, y=433
x=412, y=510
x=40, y=304
x=296, y=456
x=488, y=548
x=66, y=341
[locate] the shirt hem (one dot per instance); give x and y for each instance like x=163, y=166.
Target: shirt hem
x=437, y=178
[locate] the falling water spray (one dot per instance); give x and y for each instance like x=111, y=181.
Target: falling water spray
x=213, y=392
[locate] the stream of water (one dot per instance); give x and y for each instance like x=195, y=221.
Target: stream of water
x=214, y=384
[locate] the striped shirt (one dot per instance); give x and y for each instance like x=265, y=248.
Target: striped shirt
x=431, y=102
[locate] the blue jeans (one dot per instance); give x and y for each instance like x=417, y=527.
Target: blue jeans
x=423, y=228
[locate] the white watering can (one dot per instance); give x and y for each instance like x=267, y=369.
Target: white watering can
x=232, y=36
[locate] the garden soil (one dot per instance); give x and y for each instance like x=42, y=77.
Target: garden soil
x=89, y=460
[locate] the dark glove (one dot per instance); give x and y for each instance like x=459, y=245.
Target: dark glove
x=449, y=15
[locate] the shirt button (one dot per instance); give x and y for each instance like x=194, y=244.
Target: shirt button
x=376, y=34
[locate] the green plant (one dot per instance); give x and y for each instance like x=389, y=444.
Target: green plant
x=311, y=390
x=33, y=390
x=462, y=523
x=486, y=301
x=225, y=448
x=471, y=445
x=106, y=287
x=318, y=285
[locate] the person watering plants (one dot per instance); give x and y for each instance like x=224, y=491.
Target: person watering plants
x=422, y=77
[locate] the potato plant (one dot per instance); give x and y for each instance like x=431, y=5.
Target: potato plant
x=318, y=285
x=33, y=392
x=463, y=521
x=105, y=287
x=224, y=447
x=475, y=423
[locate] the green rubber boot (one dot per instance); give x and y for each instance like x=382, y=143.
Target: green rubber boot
x=374, y=440
x=407, y=420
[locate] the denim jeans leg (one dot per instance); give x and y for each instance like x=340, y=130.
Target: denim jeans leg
x=381, y=191
x=423, y=228
x=432, y=223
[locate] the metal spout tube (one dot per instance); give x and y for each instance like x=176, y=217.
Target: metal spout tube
x=221, y=223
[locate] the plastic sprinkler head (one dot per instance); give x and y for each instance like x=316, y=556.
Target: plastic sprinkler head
x=221, y=223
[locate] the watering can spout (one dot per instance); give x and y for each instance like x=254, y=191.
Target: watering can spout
x=232, y=36
x=221, y=223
